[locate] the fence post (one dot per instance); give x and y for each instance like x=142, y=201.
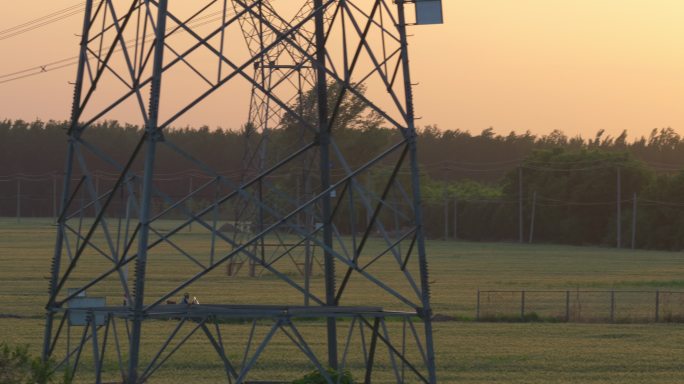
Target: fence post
x=522, y=305
x=18, y=199
x=567, y=306
x=369, y=189
x=520, y=205
x=456, y=218
x=657, y=306
x=534, y=208
x=190, y=190
x=618, y=224
x=634, y=220
x=54, y=197
x=612, y=306
x=446, y=212
x=477, y=308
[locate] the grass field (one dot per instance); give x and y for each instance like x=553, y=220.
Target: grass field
x=467, y=352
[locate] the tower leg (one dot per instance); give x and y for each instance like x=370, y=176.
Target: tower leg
x=415, y=181
x=152, y=136
x=75, y=112
x=324, y=148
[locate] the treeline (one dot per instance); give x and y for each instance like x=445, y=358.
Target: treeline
x=587, y=196
x=484, y=186
x=444, y=154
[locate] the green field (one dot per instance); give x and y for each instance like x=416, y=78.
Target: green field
x=467, y=352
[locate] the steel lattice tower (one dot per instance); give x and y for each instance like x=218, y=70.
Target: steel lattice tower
x=306, y=190
x=281, y=67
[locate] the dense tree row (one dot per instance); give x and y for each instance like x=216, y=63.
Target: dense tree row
x=573, y=179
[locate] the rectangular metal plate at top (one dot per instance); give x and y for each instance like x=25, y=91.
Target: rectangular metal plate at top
x=429, y=12
x=80, y=307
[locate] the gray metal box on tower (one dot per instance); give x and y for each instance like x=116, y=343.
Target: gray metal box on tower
x=429, y=12
x=81, y=307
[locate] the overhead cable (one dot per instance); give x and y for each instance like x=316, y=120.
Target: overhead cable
x=41, y=21
x=71, y=61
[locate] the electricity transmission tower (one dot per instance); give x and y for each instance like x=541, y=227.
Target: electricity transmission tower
x=283, y=64
x=300, y=188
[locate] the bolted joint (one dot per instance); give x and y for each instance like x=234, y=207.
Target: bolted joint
x=51, y=309
x=133, y=314
x=424, y=313
x=155, y=135
x=75, y=133
x=322, y=139
x=411, y=135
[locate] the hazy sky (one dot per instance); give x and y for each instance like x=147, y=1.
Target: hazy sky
x=537, y=65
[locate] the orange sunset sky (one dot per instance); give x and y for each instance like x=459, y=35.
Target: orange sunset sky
x=538, y=65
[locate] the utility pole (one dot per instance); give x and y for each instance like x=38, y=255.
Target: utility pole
x=455, y=218
x=619, y=210
x=446, y=212
x=534, y=208
x=190, y=189
x=18, y=199
x=520, y=205
x=369, y=190
x=54, y=197
x=634, y=220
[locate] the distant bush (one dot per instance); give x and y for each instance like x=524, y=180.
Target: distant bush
x=531, y=317
x=17, y=366
x=316, y=377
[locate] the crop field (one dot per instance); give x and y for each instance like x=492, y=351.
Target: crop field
x=467, y=351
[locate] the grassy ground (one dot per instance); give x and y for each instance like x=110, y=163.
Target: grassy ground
x=486, y=353
x=466, y=352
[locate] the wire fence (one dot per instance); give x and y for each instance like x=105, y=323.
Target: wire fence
x=615, y=306
x=38, y=195
x=533, y=221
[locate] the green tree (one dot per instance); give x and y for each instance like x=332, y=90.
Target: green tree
x=315, y=377
x=17, y=366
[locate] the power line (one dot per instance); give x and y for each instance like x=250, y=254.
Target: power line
x=38, y=67
x=454, y=167
x=37, y=26
x=67, y=9
x=43, y=70
x=41, y=21
x=509, y=161
x=71, y=61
